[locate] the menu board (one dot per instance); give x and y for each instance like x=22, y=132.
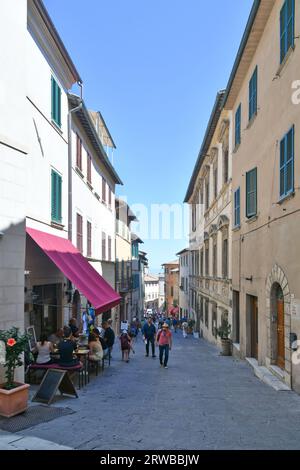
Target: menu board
x=32, y=337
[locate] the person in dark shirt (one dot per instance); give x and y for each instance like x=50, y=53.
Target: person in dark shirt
x=109, y=335
x=74, y=328
x=149, y=332
x=66, y=349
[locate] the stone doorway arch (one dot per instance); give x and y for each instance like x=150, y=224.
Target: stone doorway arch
x=277, y=290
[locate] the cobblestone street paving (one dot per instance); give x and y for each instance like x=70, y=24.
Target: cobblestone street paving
x=203, y=401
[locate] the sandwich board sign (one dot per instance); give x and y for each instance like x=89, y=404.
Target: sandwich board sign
x=54, y=379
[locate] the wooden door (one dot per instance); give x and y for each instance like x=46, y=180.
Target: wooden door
x=280, y=334
x=254, y=328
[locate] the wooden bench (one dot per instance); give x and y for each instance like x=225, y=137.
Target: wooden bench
x=76, y=368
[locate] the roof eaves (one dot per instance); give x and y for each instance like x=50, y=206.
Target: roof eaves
x=243, y=44
x=107, y=130
x=214, y=117
x=57, y=39
x=85, y=119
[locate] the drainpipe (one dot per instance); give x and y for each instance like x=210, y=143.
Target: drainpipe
x=70, y=192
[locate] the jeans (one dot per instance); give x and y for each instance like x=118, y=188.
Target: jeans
x=150, y=340
x=162, y=350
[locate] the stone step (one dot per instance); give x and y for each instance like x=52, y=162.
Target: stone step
x=266, y=376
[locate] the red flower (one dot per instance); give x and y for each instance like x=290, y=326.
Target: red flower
x=11, y=342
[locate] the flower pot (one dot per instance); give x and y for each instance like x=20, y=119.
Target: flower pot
x=13, y=402
x=226, y=347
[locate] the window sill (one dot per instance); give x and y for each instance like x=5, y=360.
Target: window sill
x=286, y=198
x=250, y=123
x=285, y=61
x=90, y=185
x=78, y=170
x=236, y=228
x=57, y=225
x=252, y=219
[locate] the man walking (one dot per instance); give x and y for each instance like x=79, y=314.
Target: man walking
x=164, y=340
x=149, y=332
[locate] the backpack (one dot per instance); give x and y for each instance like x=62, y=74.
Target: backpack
x=124, y=342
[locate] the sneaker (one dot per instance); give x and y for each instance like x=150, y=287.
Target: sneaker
x=154, y=355
x=146, y=355
x=166, y=367
x=161, y=365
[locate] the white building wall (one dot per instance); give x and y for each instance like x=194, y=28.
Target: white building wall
x=48, y=144
x=13, y=149
x=151, y=291
x=87, y=204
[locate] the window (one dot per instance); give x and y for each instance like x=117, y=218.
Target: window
x=215, y=257
x=206, y=313
x=78, y=152
x=56, y=181
x=207, y=194
x=201, y=308
x=216, y=181
x=103, y=190
x=194, y=217
x=253, y=95
x=109, y=197
x=225, y=165
x=201, y=263
x=79, y=233
x=214, y=321
x=237, y=208
x=55, y=102
x=238, y=116
x=251, y=193
x=103, y=246
x=89, y=168
x=287, y=164
x=89, y=239
x=109, y=248
x=172, y=291
x=225, y=258
x=287, y=27
x=207, y=260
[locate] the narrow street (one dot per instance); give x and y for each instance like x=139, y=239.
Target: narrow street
x=203, y=401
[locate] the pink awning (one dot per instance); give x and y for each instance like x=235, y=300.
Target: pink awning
x=77, y=269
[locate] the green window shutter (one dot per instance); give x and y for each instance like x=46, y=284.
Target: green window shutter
x=59, y=211
x=251, y=193
x=56, y=189
x=55, y=102
x=52, y=98
x=58, y=106
x=53, y=196
x=282, y=167
x=286, y=168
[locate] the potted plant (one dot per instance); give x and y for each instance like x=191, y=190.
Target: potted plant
x=13, y=395
x=224, y=332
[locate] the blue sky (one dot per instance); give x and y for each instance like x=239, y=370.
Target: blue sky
x=153, y=68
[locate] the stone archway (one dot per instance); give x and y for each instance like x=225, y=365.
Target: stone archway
x=277, y=281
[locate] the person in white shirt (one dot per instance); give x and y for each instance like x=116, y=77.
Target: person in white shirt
x=44, y=348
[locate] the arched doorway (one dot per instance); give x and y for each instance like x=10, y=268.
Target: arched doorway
x=278, y=328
